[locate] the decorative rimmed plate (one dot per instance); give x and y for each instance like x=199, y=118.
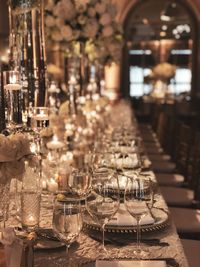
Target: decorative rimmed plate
x=48, y=244
x=161, y=221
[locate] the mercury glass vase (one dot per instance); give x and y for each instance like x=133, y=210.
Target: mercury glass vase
x=27, y=48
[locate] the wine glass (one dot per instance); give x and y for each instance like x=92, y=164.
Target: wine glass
x=103, y=202
x=137, y=200
x=67, y=222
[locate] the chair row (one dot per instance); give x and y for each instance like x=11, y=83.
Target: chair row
x=173, y=145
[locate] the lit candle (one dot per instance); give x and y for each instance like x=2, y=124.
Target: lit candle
x=12, y=86
x=55, y=143
x=52, y=185
x=31, y=219
x=44, y=184
x=41, y=116
x=33, y=148
x=72, y=80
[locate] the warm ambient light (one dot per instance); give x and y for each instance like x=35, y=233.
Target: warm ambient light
x=162, y=34
x=164, y=27
x=145, y=21
x=169, y=12
x=165, y=18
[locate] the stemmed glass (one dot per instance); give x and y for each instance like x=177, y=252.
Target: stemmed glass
x=137, y=200
x=67, y=222
x=103, y=202
x=74, y=179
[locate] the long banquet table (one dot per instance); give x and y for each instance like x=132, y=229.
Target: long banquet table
x=86, y=249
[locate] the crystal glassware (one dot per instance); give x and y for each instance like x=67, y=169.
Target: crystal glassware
x=31, y=195
x=39, y=118
x=13, y=99
x=30, y=209
x=67, y=222
x=137, y=196
x=103, y=202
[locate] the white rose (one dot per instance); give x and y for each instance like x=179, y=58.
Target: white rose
x=82, y=19
x=107, y=31
x=6, y=149
x=12, y=169
x=91, y=28
x=59, y=22
x=49, y=5
x=65, y=10
x=91, y=12
x=50, y=21
x=105, y=19
x=81, y=6
x=21, y=145
x=100, y=8
x=66, y=32
x=56, y=36
x=82, y=2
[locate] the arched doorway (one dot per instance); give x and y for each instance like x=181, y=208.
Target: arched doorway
x=151, y=40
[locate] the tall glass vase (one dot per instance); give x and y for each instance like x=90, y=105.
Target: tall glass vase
x=2, y=105
x=84, y=69
x=28, y=48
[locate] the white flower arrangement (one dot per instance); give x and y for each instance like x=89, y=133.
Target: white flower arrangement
x=91, y=22
x=164, y=71
x=13, y=150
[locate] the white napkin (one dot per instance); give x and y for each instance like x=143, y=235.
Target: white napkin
x=156, y=263
x=123, y=218
x=130, y=161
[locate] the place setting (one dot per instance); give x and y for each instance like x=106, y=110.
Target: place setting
x=98, y=162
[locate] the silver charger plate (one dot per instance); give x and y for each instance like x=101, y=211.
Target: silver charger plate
x=160, y=216
x=48, y=244
x=47, y=240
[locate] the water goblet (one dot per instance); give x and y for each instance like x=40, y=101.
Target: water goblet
x=137, y=196
x=67, y=222
x=103, y=202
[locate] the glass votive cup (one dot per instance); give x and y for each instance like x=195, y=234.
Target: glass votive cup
x=39, y=118
x=30, y=209
x=13, y=98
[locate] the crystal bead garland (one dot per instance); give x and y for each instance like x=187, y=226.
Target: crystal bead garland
x=28, y=48
x=2, y=106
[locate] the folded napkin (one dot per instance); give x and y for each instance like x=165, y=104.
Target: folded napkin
x=156, y=263
x=123, y=218
x=130, y=161
x=14, y=249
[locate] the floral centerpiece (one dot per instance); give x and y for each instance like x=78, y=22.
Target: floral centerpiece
x=91, y=22
x=13, y=151
x=159, y=78
x=164, y=71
